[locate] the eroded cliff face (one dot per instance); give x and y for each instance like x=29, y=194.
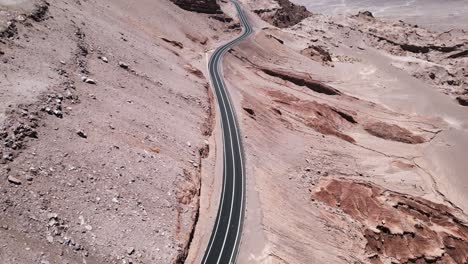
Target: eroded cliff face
x=200, y=6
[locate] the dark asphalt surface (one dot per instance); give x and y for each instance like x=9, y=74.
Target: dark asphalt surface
x=223, y=245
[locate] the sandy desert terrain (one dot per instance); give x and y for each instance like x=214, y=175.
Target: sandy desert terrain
x=433, y=14
x=355, y=131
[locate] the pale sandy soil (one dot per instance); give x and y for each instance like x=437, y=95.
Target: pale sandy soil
x=434, y=14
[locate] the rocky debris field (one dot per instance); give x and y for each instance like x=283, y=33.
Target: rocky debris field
x=101, y=152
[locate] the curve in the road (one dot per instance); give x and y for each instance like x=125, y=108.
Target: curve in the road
x=223, y=245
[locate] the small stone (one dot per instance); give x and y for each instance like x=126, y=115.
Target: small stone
x=307, y=169
x=115, y=200
x=104, y=59
x=48, y=110
x=82, y=220
x=88, y=80
x=50, y=238
x=52, y=215
x=81, y=134
x=88, y=227
x=52, y=222
x=130, y=250
x=29, y=178
x=123, y=65
x=68, y=94
x=189, y=144
x=58, y=113
x=14, y=180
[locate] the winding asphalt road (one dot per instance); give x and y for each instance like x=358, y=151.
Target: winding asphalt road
x=223, y=245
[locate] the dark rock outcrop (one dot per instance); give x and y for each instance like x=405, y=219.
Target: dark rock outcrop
x=200, y=6
x=317, y=53
x=287, y=15
x=463, y=99
x=461, y=54
x=313, y=85
x=367, y=15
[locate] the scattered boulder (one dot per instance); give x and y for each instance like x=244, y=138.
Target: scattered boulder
x=88, y=80
x=14, y=180
x=130, y=251
x=82, y=134
x=10, y=31
x=104, y=59
x=40, y=11
x=124, y=65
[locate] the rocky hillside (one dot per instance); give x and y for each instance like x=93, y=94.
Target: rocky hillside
x=103, y=136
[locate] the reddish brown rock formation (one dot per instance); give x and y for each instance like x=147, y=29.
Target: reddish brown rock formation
x=398, y=226
x=320, y=117
x=200, y=6
x=393, y=132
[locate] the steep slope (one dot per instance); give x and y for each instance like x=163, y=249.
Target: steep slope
x=105, y=112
